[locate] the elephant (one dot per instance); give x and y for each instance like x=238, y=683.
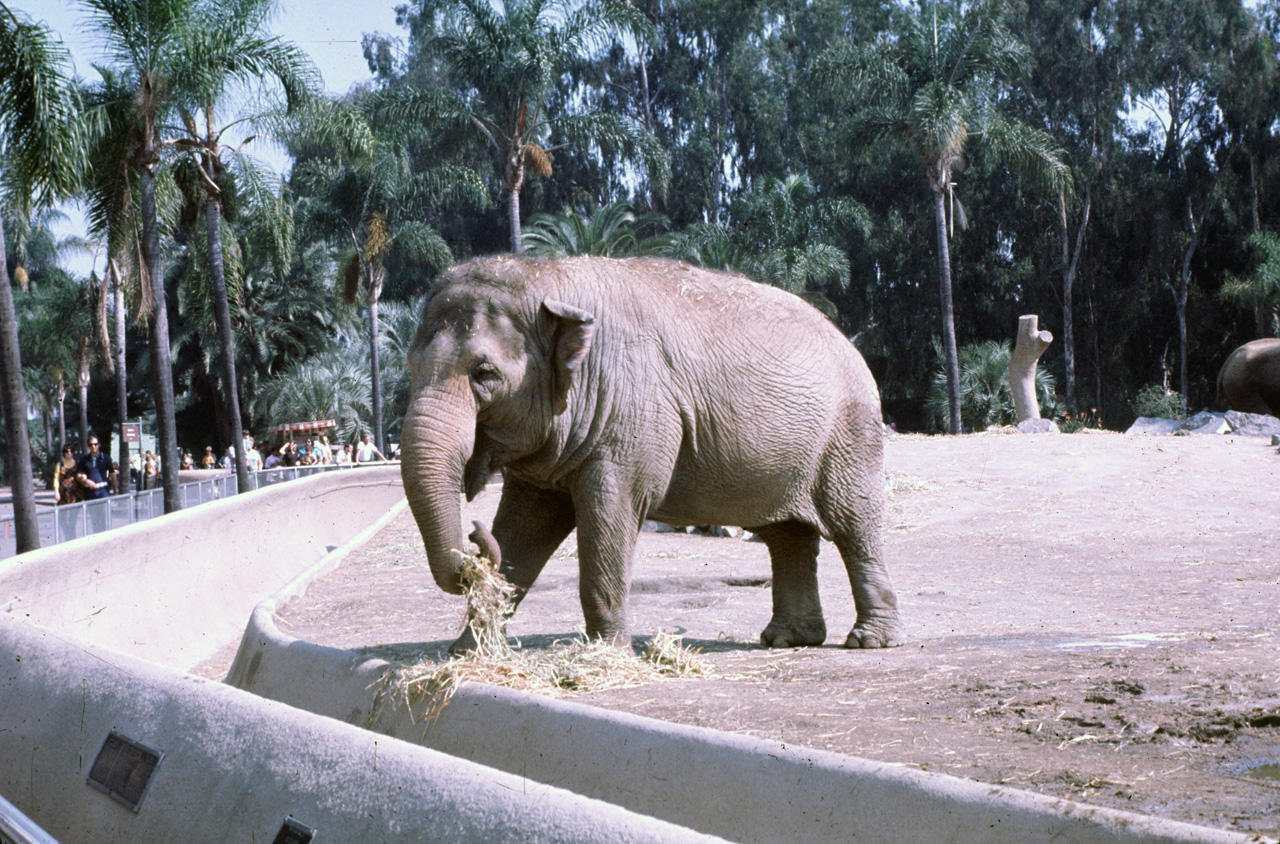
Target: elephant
x=611, y=391
x=1250, y=378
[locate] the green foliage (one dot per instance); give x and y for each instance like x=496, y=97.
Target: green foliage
x=780, y=233
x=986, y=399
x=805, y=142
x=1156, y=401
x=1260, y=290
x=330, y=385
x=611, y=231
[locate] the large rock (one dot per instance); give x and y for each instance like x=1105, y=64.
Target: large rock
x=1154, y=425
x=1038, y=426
x=1205, y=422
x=1252, y=424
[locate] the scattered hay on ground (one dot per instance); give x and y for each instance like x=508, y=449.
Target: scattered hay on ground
x=573, y=665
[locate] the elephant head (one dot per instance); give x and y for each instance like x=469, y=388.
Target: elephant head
x=492, y=366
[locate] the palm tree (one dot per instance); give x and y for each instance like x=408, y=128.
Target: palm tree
x=331, y=385
x=936, y=88
x=146, y=40
x=500, y=67
x=279, y=314
x=112, y=214
x=43, y=155
x=780, y=233
x=611, y=231
x=367, y=195
x=227, y=50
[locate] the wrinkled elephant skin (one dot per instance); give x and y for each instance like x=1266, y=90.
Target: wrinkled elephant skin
x=611, y=391
x=1249, y=381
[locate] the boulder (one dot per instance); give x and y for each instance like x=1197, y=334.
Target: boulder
x=1252, y=424
x=1205, y=423
x=1038, y=426
x=1153, y=425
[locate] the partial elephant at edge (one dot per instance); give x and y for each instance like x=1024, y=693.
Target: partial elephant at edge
x=1249, y=380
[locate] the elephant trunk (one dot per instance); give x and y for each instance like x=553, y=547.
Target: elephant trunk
x=437, y=441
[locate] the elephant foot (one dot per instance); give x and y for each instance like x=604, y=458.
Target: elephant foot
x=794, y=632
x=464, y=644
x=874, y=634
x=467, y=643
x=615, y=637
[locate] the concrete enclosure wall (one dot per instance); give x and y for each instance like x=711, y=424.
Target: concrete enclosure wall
x=737, y=787
x=234, y=766
x=173, y=590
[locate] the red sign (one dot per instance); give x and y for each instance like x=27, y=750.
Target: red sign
x=131, y=432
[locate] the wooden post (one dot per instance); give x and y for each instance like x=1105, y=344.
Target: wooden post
x=1030, y=345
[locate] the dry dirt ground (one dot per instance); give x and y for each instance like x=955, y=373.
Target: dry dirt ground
x=1090, y=616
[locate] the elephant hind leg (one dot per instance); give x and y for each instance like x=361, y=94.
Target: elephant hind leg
x=877, y=624
x=797, y=611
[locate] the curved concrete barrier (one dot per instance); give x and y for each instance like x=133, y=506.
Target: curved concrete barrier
x=739, y=788
x=233, y=767
x=173, y=590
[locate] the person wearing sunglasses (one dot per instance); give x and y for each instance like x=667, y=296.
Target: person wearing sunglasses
x=95, y=472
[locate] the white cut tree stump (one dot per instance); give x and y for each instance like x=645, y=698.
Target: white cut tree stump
x=1027, y=350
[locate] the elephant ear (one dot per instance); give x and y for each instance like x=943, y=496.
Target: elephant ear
x=571, y=332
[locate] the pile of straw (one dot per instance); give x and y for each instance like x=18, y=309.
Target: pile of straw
x=564, y=666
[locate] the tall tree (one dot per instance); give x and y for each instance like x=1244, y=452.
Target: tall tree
x=936, y=87
x=41, y=153
x=373, y=199
x=229, y=51
x=1073, y=92
x=112, y=213
x=500, y=66
x=148, y=41
x=1177, y=63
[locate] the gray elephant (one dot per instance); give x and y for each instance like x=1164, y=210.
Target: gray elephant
x=611, y=391
x=1250, y=378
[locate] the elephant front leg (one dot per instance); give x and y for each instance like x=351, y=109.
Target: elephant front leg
x=607, y=531
x=797, y=610
x=529, y=526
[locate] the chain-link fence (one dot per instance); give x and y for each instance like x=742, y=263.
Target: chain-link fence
x=72, y=521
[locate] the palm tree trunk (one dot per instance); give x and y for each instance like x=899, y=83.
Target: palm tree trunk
x=376, y=375
x=513, y=216
x=950, y=358
x=13, y=402
x=161, y=356
x=122, y=377
x=82, y=393
x=62, y=415
x=222, y=313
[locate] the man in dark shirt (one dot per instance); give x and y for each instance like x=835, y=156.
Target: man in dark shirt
x=94, y=471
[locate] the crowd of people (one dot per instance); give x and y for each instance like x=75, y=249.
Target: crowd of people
x=93, y=474
x=312, y=452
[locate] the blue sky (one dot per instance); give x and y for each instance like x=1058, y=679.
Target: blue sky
x=330, y=31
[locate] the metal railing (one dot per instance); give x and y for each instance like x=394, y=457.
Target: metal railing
x=71, y=521
x=17, y=828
